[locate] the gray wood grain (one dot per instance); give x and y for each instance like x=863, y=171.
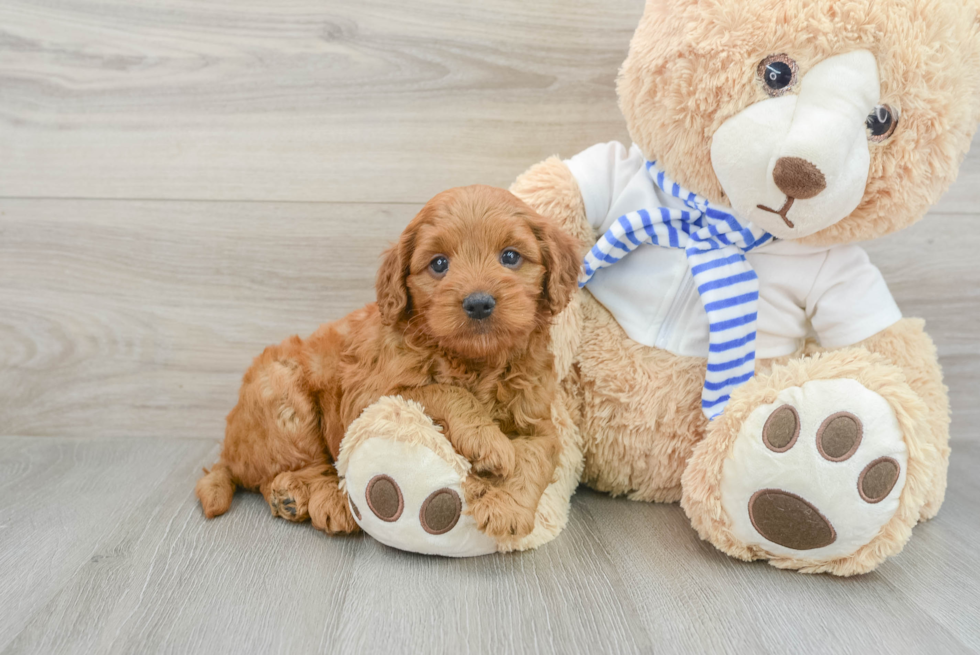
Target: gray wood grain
x=59, y=502
x=109, y=552
x=933, y=271
x=165, y=580
x=138, y=318
x=925, y=600
x=305, y=100
x=941, y=576
x=183, y=183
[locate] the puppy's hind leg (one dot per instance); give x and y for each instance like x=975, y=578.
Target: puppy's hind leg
x=311, y=493
x=273, y=428
x=215, y=490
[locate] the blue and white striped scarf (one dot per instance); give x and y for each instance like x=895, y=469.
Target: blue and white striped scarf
x=715, y=242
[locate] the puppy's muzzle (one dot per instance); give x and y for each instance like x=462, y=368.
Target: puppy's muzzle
x=479, y=306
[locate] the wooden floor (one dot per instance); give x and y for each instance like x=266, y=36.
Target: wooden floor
x=183, y=183
x=104, y=550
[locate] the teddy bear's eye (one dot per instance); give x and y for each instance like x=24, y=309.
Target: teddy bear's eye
x=778, y=74
x=881, y=123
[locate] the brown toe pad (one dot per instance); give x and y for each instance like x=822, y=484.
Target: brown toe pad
x=878, y=479
x=440, y=511
x=790, y=521
x=384, y=498
x=782, y=429
x=839, y=436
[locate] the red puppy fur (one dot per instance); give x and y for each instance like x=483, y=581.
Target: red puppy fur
x=461, y=325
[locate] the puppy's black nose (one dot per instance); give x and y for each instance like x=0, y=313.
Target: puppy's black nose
x=479, y=305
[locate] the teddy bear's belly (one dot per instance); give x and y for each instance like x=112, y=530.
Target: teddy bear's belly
x=641, y=410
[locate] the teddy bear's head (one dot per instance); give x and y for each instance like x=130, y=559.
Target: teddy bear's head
x=822, y=120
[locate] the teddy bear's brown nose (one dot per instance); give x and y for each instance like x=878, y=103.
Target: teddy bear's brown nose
x=798, y=178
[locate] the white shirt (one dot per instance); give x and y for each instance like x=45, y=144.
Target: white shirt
x=832, y=293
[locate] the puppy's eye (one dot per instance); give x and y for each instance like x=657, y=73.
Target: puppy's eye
x=510, y=258
x=881, y=123
x=778, y=74
x=439, y=265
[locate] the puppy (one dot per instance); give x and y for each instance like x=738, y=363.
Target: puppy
x=461, y=325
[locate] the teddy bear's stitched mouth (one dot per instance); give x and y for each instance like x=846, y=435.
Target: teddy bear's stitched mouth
x=782, y=212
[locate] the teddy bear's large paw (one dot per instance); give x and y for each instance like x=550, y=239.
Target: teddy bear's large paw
x=404, y=483
x=816, y=474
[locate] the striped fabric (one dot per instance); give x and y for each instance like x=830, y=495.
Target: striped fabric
x=715, y=242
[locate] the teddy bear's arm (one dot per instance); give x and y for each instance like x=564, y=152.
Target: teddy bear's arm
x=550, y=189
x=503, y=507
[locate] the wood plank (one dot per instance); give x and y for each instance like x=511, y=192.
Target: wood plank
x=696, y=599
x=137, y=319
x=931, y=269
x=164, y=572
x=937, y=568
x=564, y=597
x=60, y=499
x=300, y=100
x=134, y=318
x=152, y=575
x=166, y=579
x=307, y=100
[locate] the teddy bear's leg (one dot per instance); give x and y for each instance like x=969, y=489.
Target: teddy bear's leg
x=641, y=410
x=908, y=346
x=408, y=487
x=823, y=464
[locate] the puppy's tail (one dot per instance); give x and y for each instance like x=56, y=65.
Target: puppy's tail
x=215, y=490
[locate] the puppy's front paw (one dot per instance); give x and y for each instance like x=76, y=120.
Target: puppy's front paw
x=493, y=457
x=499, y=515
x=331, y=513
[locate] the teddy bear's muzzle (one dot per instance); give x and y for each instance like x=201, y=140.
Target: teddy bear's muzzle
x=798, y=163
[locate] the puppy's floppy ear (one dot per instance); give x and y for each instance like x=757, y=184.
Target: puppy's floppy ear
x=560, y=254
x=394, y=300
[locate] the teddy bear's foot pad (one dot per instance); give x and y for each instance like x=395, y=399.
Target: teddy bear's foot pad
x=408, y=497
x=440, y=511
x=817, y=473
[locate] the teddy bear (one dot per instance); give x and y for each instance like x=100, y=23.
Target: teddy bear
x=732, y=347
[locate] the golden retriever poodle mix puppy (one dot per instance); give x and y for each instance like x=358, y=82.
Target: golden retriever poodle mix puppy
x=465, y=300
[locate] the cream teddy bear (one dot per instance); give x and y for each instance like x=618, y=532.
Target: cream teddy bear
x=733, y=349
